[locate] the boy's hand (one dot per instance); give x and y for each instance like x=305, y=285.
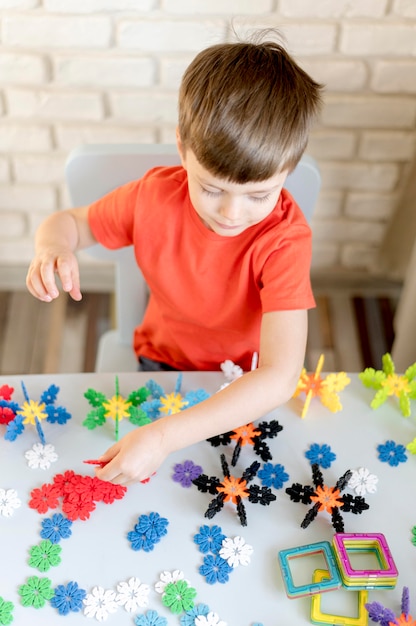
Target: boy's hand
x=41, y=276
x=135, y=457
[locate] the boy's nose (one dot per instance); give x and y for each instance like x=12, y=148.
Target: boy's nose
x=230, y=210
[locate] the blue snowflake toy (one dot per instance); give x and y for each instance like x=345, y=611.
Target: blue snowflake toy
x=163, y=403
x=34, y=412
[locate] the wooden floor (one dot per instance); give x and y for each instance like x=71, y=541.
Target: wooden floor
x=352, y=330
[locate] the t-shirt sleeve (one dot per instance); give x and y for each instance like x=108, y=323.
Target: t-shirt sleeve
x=285, y=280
x=111, y=218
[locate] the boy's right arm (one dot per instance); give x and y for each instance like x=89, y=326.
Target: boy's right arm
x=56, y=241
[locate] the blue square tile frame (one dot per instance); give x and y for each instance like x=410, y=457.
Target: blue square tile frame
x=333, y=581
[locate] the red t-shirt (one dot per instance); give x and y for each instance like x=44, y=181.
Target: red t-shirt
x=207, y=292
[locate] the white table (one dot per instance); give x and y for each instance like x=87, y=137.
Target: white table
x=98, y=552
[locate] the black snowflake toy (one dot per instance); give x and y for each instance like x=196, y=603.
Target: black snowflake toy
x=249, y=435
x=234, y=490
x=327, y=499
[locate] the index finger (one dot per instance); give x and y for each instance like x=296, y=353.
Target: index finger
x=68, y=273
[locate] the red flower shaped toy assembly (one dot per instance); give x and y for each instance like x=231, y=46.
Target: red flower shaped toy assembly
x=233, y=490
x=327, y=499
x=79, y=495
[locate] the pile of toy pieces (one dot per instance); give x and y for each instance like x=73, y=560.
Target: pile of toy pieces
x=340, y=572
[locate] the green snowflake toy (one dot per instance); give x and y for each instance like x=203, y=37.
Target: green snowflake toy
x=387, y=383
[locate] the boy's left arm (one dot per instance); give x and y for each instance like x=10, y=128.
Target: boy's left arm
x=282, y=350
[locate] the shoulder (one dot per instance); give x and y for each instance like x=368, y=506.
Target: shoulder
x=286, y=222
x=165, y=175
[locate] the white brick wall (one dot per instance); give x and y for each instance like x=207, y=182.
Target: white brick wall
x=76, y=71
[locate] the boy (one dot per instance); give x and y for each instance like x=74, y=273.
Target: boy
x=225, y=252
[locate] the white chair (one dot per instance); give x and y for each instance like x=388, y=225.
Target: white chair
x=92, y=171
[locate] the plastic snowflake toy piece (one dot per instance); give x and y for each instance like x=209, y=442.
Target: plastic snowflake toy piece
x=189, y=618
x=273, y=475
x=150, y=618
x=36, y=591
x=6, y=611
x=321, y=455
x=209, y=539
x=230, y=370
x=380, y=615
x=9, y=502
x=327, y=499
x=56, y=528
x=132, y=594
x=411, y=446
x=68, y=598
x=236, y=551
x=116, y=408
x=167, y=577
x=387, y=383
x=41, y=456
x=184, y=473
x=362, y=481
x=34, y=412
x=215, y=569
x=327, y=389
x=100, y=603
x=179, y=596
x=148, y=531
x=163, y=403
x=392, y=453
x=212, y=619
x=249, y=435
x=234, y=490
x=45, y=555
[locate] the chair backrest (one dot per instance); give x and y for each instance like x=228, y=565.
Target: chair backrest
x=93, y=170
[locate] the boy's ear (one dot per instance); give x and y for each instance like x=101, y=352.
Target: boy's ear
x=181, y=150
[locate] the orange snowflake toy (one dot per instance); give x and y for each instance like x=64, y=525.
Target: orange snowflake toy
x=327, y=389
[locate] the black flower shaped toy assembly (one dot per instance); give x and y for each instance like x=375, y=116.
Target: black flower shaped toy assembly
x=249, y=435
x=326, y=498
x=234, y=490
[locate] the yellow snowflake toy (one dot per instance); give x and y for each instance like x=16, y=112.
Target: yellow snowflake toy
x=325, y=388
x=387, y=383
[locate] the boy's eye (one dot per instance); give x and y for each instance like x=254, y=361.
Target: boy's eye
x=260, y=198
x=210, y=192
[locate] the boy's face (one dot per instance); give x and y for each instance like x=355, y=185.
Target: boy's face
x=228, y=208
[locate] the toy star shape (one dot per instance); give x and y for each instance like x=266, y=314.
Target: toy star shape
x=249, y=435
x=387, y=383
x=234, y=490
x=326, y=389
x=116, y=408
x=34, y=412
x=327, y=499
x=163, y=403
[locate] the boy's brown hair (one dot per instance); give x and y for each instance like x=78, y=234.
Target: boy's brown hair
x=245, y=110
